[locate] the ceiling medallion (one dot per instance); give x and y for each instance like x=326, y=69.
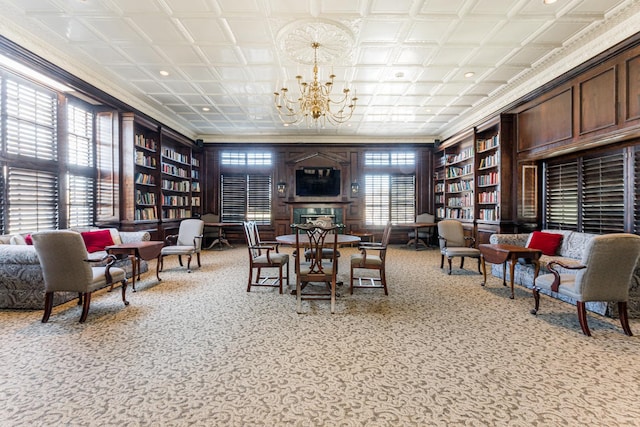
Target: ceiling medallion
x=313, y=42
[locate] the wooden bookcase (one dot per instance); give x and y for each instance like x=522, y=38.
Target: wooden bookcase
x=474, y=182
x=161, y=177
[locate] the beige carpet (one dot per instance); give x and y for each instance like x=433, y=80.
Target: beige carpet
x=197, y=349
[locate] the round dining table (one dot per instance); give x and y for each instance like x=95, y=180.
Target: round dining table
x=343, y=239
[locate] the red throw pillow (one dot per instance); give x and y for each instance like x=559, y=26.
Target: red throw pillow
x=548, y=243
x=28, y=240
x=97, y=240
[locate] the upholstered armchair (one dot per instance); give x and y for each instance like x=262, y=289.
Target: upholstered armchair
x=187, y=242
x=66, y=268
x=372, y=256
x=604, y=274
x=453, y=243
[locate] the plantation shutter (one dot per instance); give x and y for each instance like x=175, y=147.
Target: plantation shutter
x=30, y=121
x=561, y=204
x=377, y=200
x=603, y=194
x=259, y=199
x=234, y=198
x=403, y=199
x=33, y=200
x=81, y=200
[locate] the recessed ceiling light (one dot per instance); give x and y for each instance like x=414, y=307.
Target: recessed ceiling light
x=164, y=73
x=206, y=109
x=549, y=1
x=469, y=74
x=399, y=74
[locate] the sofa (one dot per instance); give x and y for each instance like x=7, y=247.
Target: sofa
x=21, y=281
x=570, y=252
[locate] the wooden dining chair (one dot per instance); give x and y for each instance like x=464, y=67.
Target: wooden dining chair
x=263, y=256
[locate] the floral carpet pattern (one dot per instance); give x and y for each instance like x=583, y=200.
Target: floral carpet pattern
x=198, y=350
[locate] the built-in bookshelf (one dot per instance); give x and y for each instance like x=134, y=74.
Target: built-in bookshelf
x=488, y=176
x=176, y=179
x=458, y=182
x=196, y=198
x=469, y=182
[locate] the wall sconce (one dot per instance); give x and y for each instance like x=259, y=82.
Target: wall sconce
x=282, y=188
x=355, y=188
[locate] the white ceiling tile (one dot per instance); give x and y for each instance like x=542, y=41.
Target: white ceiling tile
x=380, y=31
x=205, y=31
x=238, y=6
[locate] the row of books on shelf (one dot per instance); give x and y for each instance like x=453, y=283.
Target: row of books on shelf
x=174, y=170
x=195, y=174
x=195, y=186
x=488, y=143
x=455, y=213
x=455, y=172
x=440, y=187
x=460, y=202
x=491, y=178
x=488, y=214
x=488, y=197
x=490, y=161
x=144, y=214
x=195, y=162
x=171, y=185
x=145, y=178
x=456, y=187
x=144, y=159
x=439, y=199
x=145, y=198
x=175, y=156
x=144, y=142
x=463, y=155
x=175, y=200
x=173, y=213
x=467, y=213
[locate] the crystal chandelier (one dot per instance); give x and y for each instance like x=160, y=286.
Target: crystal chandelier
x=315, y=106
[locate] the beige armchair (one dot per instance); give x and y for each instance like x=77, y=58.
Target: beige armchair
x=604, y=274
x=66, y=268
x=453, y=243
x=187, y=242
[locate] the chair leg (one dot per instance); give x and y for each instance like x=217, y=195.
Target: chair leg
x=160, y=263
x=624, y=317
x=536, y=299
x=188, y=263
x=351, y=281
x=124, y=292
x=383, y=279
x=461, y=262
x=180, y=259
x=582, y=317
x=479, y=271
x=280, y=278
x=449, y=258
x=250, y=279
x=333, y=295
x=48, y=306
x=441, y=260
x=198, y=257
x=85, y=306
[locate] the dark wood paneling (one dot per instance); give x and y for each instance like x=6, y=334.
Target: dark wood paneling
x=598, y=101
x=633, y=89
x=546, y=122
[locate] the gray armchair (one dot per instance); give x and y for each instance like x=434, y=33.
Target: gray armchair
x=187, y=242
x=604, y=274
x=453, y=243
x=65, y=268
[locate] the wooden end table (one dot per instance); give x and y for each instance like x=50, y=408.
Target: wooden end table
x=503, y=253
x=136, y=251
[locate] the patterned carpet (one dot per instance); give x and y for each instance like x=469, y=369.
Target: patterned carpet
x=197, y=349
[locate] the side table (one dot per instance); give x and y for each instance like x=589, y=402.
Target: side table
x=501, y=254
x=136, y=251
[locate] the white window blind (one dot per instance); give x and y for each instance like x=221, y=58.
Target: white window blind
x=80, y=131
x=246, y=197
x=603, y=194
x=81, y=200
x=389, y=198
x=33, y=200
x=561, y=204
x=30, y=121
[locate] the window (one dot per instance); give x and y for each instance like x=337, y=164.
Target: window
x=81, y=200
x=245, y=158
x=561, y=184
x=389, y=159
x=80, y=130
x=389, y=198
x=33, y=200
x=246, y=198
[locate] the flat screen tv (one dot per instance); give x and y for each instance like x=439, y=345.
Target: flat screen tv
x=317, y=182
